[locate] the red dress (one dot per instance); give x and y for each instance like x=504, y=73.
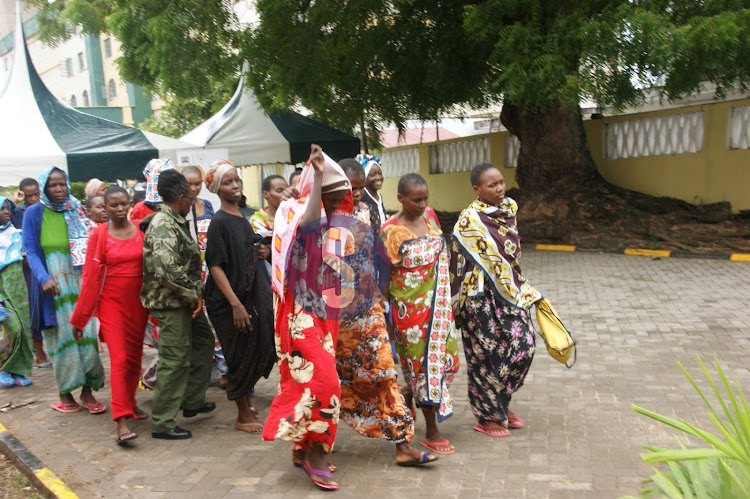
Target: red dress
x=115, y=266
x=139, y=212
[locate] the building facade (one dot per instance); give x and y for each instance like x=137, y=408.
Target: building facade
x=80, y=71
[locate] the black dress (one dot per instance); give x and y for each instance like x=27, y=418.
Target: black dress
x=231, y=244
x=376, y=206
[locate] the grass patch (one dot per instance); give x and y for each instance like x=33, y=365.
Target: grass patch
x=14, y=484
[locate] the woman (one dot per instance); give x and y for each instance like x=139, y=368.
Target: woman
x=306, y=410
x=371, y=402
x=152, y=199
x=55, y=235
x=140, y=211
x=272, y=187
x=94, y=187
x=96, y=209
x=420, y=307
x=199, y=219
x=373, y=183
x=112, y=278
x=492, y=301
x=202, y=209
x=16, y=367
x=238, y=297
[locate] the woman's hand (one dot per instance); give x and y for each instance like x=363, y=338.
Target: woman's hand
x=263, y=252
x=241, y=318
x=78, y=335
x=290, y=192
x=51, y=288
x=197, y=307
x=317, y=159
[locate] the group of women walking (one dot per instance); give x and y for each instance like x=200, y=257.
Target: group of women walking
x=336, y=350
x=354, y=292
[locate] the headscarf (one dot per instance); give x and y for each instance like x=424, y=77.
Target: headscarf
x=11, y=246
x=216, y=172
x=151, y=172
x=92, y=187
x=76, y=220
x=368, y=161
x=488, y=238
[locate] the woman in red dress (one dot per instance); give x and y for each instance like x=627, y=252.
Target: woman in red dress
x=112, y=278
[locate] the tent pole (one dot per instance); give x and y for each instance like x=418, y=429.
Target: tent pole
x=260, y=187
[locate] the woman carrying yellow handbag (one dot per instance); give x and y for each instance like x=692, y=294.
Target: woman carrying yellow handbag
x=492, y=302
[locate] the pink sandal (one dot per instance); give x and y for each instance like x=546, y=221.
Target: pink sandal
x=514, y=421
x=66, y=408
x=313, y=473
x=498, y=431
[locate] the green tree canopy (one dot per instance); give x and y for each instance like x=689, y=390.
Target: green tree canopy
x=361, y=63
x=178, y=48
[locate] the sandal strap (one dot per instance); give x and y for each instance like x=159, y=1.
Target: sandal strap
x=322, y=473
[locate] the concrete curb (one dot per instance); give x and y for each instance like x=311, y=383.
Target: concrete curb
x=735, y=257
x=46, y=481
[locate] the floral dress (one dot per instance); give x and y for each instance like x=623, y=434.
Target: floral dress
x=306, y=410
x=371, y=402
x=492, y=301
x=421, y=313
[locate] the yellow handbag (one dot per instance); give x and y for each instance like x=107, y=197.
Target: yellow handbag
x=560, y=345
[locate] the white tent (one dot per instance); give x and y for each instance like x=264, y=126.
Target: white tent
x=38, y=130
x=254, y=138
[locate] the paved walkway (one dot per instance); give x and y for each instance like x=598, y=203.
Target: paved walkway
x=634, y=318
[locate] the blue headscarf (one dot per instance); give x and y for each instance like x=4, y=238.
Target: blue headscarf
x=368, y=161
x=76, y=220
x=11, y=245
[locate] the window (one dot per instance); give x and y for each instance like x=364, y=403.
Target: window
x=81, y=62
x=111, y=90
x=108, y=48
x=85, y=98
x=73, y=101
x=66, y=68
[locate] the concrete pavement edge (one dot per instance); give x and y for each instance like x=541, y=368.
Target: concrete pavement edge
x=735, y=257
x=46, y=481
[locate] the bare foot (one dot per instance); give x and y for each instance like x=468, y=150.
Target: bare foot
x=406, y=453
x=67, y=398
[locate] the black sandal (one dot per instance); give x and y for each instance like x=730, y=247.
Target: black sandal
x=126, y=437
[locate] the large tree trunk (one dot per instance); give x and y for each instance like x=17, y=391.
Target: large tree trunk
x=564, y=199
x=554, y=150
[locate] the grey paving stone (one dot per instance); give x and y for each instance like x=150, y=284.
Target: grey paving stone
x=634, y=319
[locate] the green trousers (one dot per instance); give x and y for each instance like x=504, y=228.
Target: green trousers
x=186, y=348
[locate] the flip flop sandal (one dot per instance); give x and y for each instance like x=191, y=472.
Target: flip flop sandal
x=419, y=462
x=514, y=421
x=97, y=408
x=312, y=473
x=126, y=437
x=299, y=462
x=492, y=431
x=433, y=446
x=255, y=428
x=140, y=415
x=44, y=365
x=66, y=408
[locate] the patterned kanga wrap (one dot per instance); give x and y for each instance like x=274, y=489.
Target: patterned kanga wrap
x=421, y=313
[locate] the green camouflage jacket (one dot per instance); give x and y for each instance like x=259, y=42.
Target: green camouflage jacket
x=171, y=263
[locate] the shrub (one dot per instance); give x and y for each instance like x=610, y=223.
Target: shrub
x=720, y=471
